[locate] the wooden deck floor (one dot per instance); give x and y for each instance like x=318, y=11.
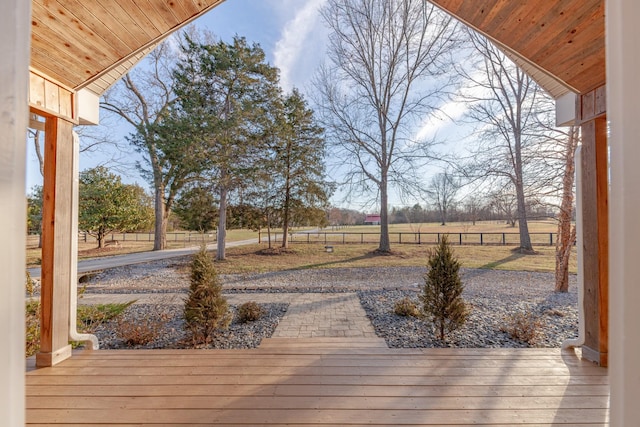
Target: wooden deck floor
x=300, y=382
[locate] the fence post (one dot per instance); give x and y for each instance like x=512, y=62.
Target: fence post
x=481, y=239
x=504, y=241
x=419, y=238
x=361, y=238
x=343, y=238
x=460, y=238
x=399, y=238
x=550, y=239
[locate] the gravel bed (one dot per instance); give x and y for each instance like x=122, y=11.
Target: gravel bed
x=489, y=316
x=493, y=295
x=168, y=323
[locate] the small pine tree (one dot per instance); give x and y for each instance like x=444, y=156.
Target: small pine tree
x=205, y=309
x=441, y=294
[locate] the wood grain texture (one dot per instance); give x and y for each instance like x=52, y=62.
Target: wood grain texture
x=56, y=242
x=565, y=38
x=320, y=386
x=77, y=42
x=595, y=231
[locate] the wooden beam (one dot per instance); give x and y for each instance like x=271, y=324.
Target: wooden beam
x=591, y=113
x=51, y=98
x=56, y=242
x=14, y=84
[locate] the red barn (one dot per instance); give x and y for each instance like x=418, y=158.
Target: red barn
x=372, y=219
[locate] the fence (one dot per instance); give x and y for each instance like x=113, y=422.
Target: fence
x=474, y=238
x=327, y=237
x=178, y=236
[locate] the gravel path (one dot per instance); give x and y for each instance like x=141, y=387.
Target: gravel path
x=494, y=297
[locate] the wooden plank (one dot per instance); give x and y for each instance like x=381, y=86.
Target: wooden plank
x=452, y=352
x=296, y=361
x=36, y=90
x=352, y=380
x=313, y=370
x=333, y=417
x=50, y=98
x=118, y=17
x=493, y=391
x=89, y=424
x=88, y=16
x=461, y=402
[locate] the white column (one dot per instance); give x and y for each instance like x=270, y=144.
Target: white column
x=623, y=110
x=15, y=26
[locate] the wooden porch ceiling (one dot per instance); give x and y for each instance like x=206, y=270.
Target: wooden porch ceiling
x=557, y=42
x=92, y=44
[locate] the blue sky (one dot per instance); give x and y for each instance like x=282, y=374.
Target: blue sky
x=290, y=32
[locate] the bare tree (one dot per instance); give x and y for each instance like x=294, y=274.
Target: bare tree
x=387, y=73
x=473, y=206
x=442, y=193
x=143, y=98
x=566, y=231
x=515, y=116
x=504, y=202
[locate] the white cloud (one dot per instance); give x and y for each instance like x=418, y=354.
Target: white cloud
x=451, y=112
x=447, y=115
x=295, y=42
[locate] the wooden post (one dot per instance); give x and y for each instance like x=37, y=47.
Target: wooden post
x=56, y=242
x=623, y=39
x=15, y=25
x=591, y=112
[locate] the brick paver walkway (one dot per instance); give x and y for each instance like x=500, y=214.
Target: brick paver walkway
x=325, y=315
x=310, y=315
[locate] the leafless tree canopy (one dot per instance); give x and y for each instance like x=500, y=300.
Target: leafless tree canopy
x=516, y=144
x=442, y=193
x=386, y=74
x=142, y=98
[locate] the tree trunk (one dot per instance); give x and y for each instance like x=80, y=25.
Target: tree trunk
x=525, y=238
x=222, y=225
x=285, y=219
x=161, y=219
x=100, y=239
x=385, y=244
x=566, y=233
